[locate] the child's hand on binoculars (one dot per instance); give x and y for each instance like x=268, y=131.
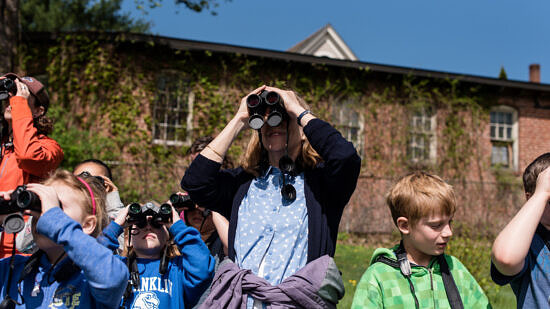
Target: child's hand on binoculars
x=242, y=113
x=48, y=198
x=290, y=100
x=121, y=216
x=175, y=217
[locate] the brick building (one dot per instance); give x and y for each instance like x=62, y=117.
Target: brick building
x=478, y=133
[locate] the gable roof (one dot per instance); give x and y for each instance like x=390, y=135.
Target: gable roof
x=325, y=42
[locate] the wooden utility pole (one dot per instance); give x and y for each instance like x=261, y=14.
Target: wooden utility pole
x=9, y=34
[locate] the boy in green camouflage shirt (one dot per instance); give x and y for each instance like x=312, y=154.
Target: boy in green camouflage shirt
x=410, y=274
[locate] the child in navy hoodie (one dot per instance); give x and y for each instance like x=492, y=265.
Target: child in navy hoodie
x=161, y=275
x=71, y=269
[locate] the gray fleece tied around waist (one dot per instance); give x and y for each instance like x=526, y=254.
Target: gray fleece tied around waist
x=317, y=285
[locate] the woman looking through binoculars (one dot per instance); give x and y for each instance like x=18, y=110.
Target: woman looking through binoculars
x=285, y=202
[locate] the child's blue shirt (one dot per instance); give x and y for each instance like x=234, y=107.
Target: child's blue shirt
x=100, y=282
x=532, y=284
x=186, y=277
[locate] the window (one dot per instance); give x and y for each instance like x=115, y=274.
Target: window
x=350, y=124
x=172, y=111
x=422, y=141
x=503, y=123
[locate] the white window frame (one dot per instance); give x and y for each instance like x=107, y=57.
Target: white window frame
x=513, y=140
x=185, y=103
x=344, y=123
x=426, y=116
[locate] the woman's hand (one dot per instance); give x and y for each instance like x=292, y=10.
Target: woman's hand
x=242, y=113
x=22, y=89
x=121, y=216
x=291, y=103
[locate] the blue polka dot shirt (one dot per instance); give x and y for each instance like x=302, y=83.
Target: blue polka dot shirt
x=272, y=229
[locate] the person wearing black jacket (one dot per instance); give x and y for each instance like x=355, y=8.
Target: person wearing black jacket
x=275, y=234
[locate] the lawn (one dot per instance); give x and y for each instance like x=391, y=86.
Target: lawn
x=353, y=255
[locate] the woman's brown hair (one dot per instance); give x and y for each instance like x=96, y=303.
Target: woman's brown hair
x=42, y=123
x=255, y=156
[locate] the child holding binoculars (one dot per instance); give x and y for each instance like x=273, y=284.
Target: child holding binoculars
x=161, y=274
x=71, y=268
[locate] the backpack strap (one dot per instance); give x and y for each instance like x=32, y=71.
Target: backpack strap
x=404, y=266
x=453, y=296
x=450, y=286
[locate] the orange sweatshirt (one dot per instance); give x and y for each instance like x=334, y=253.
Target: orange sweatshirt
x=32, y=157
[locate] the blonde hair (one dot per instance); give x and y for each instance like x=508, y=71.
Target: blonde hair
x=255, y=156
x=128, y=250
x=419, y=195
x=98, y=190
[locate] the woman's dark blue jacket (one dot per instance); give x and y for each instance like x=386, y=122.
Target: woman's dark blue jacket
x=328, y=187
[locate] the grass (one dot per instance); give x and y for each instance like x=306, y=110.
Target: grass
x=353, y=256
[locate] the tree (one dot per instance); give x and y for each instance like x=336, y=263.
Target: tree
x=502, y=73
x=193, y=5
x=9, y=35
x=74, y=15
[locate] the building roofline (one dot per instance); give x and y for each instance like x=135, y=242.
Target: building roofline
x=313, y=42
x=184, y=44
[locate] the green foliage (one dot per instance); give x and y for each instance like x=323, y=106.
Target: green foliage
x=77, y=15
x=352, y=261
x=193, y=5
x=475, y=254
x=97, y=91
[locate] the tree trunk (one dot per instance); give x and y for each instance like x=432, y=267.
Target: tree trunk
x=9, y=34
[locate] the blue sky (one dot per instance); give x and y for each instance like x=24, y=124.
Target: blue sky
x=474, y=37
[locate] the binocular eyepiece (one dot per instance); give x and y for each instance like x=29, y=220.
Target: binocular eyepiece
x=137, y=214
x=258, y=105
x=7, y=86
x=87, y=174
x=181, y=201
x=21, y=199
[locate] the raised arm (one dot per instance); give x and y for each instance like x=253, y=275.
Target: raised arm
x=110, y=234
x=342, y=163
x=106, y=274
x=195, y=264
x=207, y=186
x=37, y=156
x=512, y=243
x=217, y=149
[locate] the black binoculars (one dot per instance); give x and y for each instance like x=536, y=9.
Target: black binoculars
x=7, y=86
x=21, y=199
x=181, y=201
x=137, y=214
x=87, y=174
x=266, y=101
